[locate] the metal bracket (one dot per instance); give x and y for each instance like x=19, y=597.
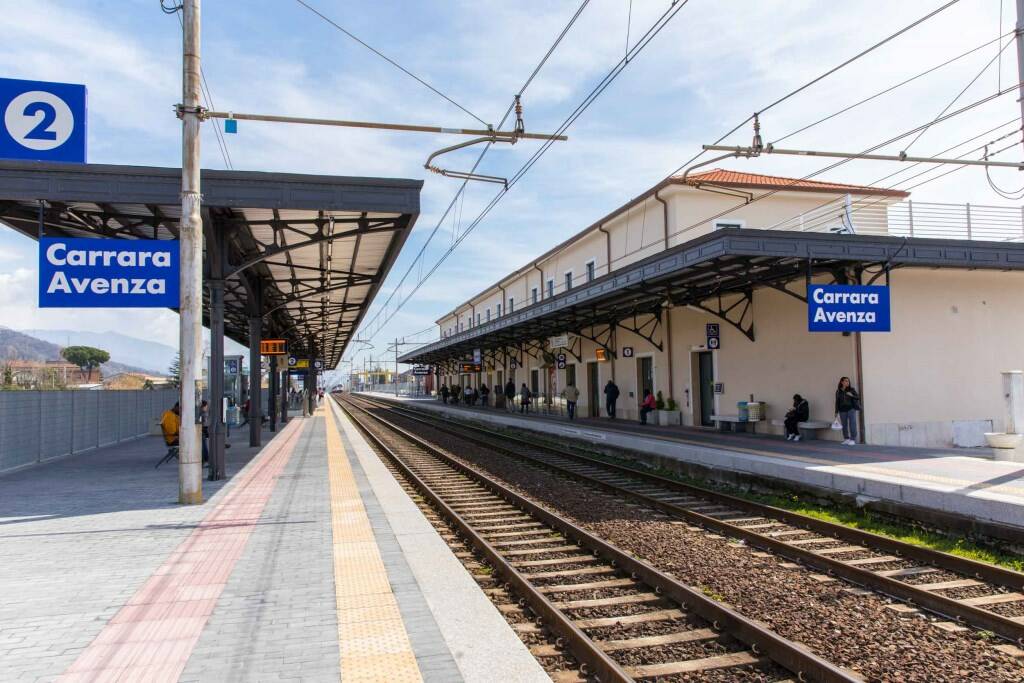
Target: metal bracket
x=647, y=330
x=605, y=338
x=744, y=321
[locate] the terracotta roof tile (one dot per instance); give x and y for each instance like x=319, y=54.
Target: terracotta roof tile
x=726, y=178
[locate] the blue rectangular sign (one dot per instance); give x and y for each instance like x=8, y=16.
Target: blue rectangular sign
x=848, y=308
x=107, y=273
x=42, y=121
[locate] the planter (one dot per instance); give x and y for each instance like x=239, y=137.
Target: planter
x=1003, y=440
x=668, y=418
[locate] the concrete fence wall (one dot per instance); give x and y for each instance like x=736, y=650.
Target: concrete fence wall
x=40, y=425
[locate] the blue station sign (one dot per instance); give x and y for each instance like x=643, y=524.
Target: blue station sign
x=101, y=273
x=848, y=308
x=42, y=121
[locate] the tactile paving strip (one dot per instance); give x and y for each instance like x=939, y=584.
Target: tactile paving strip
x=373, y=642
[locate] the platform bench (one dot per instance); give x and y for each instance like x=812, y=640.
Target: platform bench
x=808, y=429
x=726, y=423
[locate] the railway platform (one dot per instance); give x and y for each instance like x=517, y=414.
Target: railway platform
x=951, y=485
x=307, y=563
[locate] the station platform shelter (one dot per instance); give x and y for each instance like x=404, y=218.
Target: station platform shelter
x=291, y=257
x=696, y=291
x=307, y=562
x=974, y=491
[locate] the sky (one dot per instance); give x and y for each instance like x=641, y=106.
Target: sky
x=712, y=66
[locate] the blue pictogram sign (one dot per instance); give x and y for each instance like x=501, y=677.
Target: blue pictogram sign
x=42, y=121
x=848, y=308
x=100, y=273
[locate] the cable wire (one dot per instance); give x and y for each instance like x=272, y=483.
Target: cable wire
x=388, y=59
x=648, y=36
x=462, y=188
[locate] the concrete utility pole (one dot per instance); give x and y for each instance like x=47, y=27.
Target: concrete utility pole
x=190, y=309
x=1020, y=58
x=396, y=363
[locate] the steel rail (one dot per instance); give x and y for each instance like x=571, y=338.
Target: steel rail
x=1002, y=626
x=581, y=646
x=788, y=654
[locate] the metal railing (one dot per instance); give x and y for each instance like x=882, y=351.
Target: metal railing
x=908, y=218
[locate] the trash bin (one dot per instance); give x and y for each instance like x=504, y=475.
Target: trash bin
x=755, y=411
x=742, y=411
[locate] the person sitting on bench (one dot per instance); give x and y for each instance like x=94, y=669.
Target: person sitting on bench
x=800, y=412
x=170, y=425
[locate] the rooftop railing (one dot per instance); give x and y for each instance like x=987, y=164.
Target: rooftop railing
x=908, y=218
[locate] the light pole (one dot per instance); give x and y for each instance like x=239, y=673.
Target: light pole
x=190, y=308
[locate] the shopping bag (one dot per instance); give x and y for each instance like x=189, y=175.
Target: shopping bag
x=837, y=425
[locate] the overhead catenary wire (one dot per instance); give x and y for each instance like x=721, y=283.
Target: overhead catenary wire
x=821, y=77
x=960, y=94
x=649, y=35
x=891, y=88
x=462, y=188
x=389, y=60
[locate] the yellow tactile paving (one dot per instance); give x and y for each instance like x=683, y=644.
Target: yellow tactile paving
x=372, y=639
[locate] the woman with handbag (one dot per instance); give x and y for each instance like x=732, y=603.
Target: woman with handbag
x=847, y=405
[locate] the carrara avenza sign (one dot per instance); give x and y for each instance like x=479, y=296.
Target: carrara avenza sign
x=102, y=273
x=848, y=308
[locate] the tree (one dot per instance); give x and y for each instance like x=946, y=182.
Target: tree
x=85, y=357
x=175, y=371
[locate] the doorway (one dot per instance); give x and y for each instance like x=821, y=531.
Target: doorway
x=706, y=394
x=644, y=376
x=593, y=391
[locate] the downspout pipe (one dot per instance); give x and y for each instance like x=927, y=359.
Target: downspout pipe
x=540, y=286
x=664, y=215
x=607, y=248
x=504, y=301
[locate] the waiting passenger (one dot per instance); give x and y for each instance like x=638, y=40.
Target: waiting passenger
x=800, y=412
x=170, y=425
x=444, y=393
x=571, y=395
x=611, y=395
x=847, y=405
x=467, y=395
x=524, y=398
x=456, y=394
x=474, y=397
x=484, y=393
x=646, y=406
x=510, y=396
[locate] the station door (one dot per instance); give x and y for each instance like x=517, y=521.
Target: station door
x=706, y=374
x=644, y=376
x=593, y=391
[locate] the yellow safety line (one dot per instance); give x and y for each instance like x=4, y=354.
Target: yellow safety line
x=372, y=639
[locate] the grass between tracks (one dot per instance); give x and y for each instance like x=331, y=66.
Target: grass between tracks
x=847, y=515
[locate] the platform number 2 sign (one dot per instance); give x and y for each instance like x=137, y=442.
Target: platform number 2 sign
x=42, y=121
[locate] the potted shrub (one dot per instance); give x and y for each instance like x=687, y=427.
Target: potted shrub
x=668, y=411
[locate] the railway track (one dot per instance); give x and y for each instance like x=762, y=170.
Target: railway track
x=967, y=592
x=619, y=617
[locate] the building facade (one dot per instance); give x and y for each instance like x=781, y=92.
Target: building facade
x=632, y=297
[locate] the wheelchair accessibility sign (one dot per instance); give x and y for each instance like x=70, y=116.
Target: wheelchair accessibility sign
x=42, y=121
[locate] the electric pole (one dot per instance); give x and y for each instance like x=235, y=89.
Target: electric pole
x=190, y=308
x=1020, y=58
x=396, y=355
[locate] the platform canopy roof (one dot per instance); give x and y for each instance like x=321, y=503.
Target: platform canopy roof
x=306, y=253
x=717, y=273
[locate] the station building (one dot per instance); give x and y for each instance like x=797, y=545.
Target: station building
x=635, y=297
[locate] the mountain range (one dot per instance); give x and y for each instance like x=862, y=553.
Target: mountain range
x=18, y=345
x=153, y=357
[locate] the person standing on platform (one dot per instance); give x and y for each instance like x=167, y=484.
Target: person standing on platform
x=510, y=396
x=467, y=395
x=646, y=406
x=524, y=398
x=571, y=395
x=847, y=406
x=611, y=395
x=484, y=394
x=444, y=394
